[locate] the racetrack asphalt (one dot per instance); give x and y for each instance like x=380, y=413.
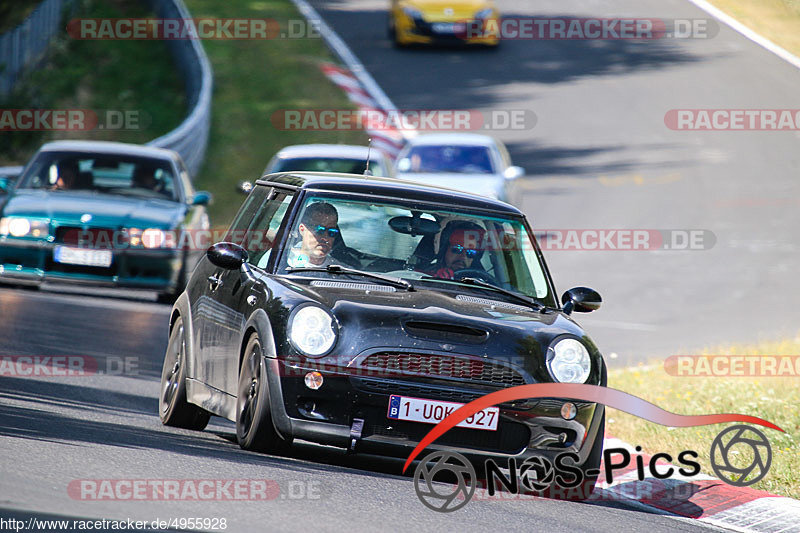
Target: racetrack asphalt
x=599, y=157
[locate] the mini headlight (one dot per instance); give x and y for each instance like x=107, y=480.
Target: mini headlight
x=568, y=361
x=311, y=331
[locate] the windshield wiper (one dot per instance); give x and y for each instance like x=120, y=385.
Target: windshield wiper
x=339, y=269
x=511, y=294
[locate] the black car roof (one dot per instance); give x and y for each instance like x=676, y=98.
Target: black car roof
x=379, y=186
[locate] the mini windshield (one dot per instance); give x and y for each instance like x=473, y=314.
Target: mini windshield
x=435, y=159
x=418, y=242
x=102, y=173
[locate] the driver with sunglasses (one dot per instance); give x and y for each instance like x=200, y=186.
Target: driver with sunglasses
x=318, y=230
x=459, y=251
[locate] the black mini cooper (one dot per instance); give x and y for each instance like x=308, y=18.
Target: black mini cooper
x=357, y=312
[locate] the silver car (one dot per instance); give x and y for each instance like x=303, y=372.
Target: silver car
x=465, y=161
x=341, y=158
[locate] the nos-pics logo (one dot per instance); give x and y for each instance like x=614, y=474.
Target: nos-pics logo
x=446, y=481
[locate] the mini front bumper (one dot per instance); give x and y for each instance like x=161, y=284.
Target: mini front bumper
x=347, y=412
x=31, y=262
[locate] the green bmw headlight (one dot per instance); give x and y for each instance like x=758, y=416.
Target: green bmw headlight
x=24, y=227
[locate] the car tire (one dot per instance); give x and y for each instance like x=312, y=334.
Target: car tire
x=173, y=409
x=255, y=430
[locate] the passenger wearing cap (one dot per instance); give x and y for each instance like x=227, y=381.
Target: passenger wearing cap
x=459, y=252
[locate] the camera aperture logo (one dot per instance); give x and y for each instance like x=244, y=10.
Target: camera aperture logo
x=538, y=474
x=740, y=439
x=452, y=496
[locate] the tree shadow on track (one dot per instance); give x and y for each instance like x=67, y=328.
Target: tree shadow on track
x=464, y=75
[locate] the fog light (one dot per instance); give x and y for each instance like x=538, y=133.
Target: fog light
x=314, y=380
x=568, y=410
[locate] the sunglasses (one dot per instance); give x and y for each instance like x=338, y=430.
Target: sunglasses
x=458, y=250
x=323, y=231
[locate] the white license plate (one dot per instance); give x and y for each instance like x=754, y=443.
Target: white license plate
x=448, y=27
x=433, y=412
x=81, y=256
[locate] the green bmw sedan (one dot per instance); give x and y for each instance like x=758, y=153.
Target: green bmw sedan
x=101, y=213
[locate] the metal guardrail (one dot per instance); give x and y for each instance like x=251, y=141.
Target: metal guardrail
x=27, y=43
x=191, y=137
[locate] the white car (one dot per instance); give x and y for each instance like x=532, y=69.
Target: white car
x=329, y=158
x=465, y=161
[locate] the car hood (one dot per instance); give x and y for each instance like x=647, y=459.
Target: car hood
x=108, y=211
x=437, y=320
x=487, y=185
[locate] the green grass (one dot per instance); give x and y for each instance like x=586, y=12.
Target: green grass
x=777, y=20
x=253, y=78
x=99, y=75
x=773, y=399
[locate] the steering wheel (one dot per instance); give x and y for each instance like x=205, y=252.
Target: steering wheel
x=475, y=273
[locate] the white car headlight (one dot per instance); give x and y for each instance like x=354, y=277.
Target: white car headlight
x=568, y=361
x=484, y=13
x=312, y=331
x=153, y=238
x=24, y=227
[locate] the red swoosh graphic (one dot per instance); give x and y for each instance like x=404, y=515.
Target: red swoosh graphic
x=588, y=393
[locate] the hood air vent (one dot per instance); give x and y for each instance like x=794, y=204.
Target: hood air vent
x=446, y=332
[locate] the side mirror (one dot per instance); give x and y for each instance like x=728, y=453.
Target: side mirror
x=202, y=198
x=227, y=255
x=512, y=173
x=245, y=187
x=581, y=299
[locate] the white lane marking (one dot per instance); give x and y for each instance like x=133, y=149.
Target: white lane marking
x=348, y=58
x=769, y=514
x=747, y=32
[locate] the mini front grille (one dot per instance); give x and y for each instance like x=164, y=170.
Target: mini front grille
x=444, y=366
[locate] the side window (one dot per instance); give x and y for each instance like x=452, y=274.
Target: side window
x=264, y=229
x=237, y=232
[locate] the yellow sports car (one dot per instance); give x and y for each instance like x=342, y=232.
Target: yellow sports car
x=444, y=21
